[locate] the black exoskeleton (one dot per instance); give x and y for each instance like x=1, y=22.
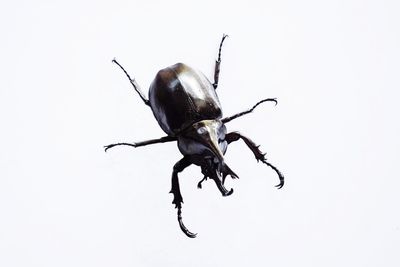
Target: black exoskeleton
x=187, y=108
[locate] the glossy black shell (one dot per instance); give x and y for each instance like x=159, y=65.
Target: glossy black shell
x=180, y=96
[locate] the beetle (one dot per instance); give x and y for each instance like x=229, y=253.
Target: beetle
x=186, y=106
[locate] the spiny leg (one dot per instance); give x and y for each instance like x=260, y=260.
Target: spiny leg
x=134, y=84
x=218, y=63
x=234, y=136
x=143, y=143
x=175, y=190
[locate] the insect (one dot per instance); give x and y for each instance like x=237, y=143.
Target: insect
x=186, y=106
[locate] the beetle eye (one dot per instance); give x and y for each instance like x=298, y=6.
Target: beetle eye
x=201, y=130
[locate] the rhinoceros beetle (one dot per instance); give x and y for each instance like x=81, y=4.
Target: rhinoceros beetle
x=186, y=106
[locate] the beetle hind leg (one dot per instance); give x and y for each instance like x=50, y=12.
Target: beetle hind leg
x=234, y=136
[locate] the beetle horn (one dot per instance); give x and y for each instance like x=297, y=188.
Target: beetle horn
x=213, y=145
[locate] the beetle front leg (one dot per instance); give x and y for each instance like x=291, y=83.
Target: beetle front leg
x=175, y=190
x=218, y=63
x=234, y=136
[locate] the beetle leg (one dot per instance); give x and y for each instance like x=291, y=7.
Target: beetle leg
x=228, y=119
x=175, y=190
x=134, y=84
x=143, y=143
x=202, y=180
x=234, y=136
x=218, y=63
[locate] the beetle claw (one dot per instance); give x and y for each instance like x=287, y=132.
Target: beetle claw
x=280, y=185
x=229, y=193
x=202, y=180
x=108, y=147
x=225, y=192
x=182, y=225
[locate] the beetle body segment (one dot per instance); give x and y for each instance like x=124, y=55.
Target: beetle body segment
x=180, y=96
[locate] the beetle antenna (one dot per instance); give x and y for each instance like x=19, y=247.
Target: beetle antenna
x=134, y=83
x=228, y=119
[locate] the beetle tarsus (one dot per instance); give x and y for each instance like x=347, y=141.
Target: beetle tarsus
x=260, y=156
x=134, y=83
x=182, y=225
x=280, y=175
x=228, y=119
x=118, y=144
x=218, y=63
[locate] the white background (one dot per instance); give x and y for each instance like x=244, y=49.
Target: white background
x=334, y=67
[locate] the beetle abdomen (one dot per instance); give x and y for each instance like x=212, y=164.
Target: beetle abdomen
x=180, y=96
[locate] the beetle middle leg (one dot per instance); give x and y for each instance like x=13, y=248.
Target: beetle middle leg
x=228, y=119
x=143, y=143
x=218, y=63
x=175, y=190
x=234, y=136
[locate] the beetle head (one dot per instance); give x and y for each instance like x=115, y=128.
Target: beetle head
x=205, y=141
x=205, y=138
